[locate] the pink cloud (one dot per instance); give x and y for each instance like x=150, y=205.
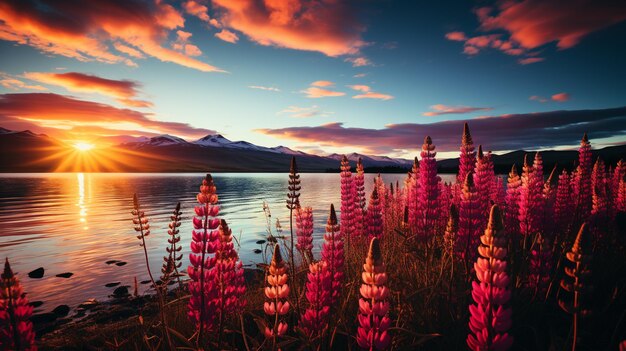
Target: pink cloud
x=128, y=50
x=538, y=98
x=83, y=30
x=363, y=88
x=359, y=61
x=456, y=36
x=470, y=50
x=440, y=109
x=367, y=93
x=322, y=83
x=329, y=27
x=227, y=36
x=530, y=60
x=315, y=92
x=560, y=97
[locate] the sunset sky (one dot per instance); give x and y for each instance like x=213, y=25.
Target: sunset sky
x=319, y=75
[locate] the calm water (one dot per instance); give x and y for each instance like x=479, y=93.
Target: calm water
x=75, y=222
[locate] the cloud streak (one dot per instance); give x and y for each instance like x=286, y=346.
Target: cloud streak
x=367, y=93
x=440, y=109
x=497, y=133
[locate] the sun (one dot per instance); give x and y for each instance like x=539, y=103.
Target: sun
x=82, y=146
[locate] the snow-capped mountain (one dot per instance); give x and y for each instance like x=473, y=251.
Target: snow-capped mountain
x=370, y=159
x=287, y=151
x=160, y=140
x=215, y=140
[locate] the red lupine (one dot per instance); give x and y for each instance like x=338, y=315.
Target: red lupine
x=374, y=216
x=469, y=222
x=373, y=320
x=333, y=255
x=428, y=192
x=582, y=179
x=318, y=293
x=304, y=231
x=616, y=176
x=620, y=203
x=599, y=201
x=467, y=159
x=563, y=205
x=511, y=219
x=204, y=241
x=531, y=200
x=348, y=205
x=16, y=330
x=490, y=317
x=360, y=201
x=277, y=294
x=540, y=265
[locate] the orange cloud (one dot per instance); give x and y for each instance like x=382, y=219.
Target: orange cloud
x=440, y=109
x=560, y=97
x=128, y=50
x=322, y=83
x=315, y=92
x=456, y=36
x=63, y=113
x=368, y=93
x=10, y=82
x=227, y=36
x=124, y=91
x=530, y=60
x=328, y=27
x=82, y=30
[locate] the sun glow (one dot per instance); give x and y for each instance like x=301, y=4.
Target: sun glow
x=82, y=146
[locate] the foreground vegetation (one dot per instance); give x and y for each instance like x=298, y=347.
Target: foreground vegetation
x=533, y=264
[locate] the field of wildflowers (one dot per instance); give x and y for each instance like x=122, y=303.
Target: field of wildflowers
x=533, y=264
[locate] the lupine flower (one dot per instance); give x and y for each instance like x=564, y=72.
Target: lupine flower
x=467, y=159
x=469, y=230
x=599, y=208
x=359, y=187
x=511, y=219
x=483, y=181
x=428, y=192
x=531, y=200
x=277, y=294
x=318, y=289
x=293, y=201
x=563, y=204
x=373, y=320
x=229, y=273
x=383, y=192
x=347, y=199
x=577, y=279
x=490, y=317
x=452, y=228
x=374, y=217
x=174, y=256
x=333, y=255
x=445, y=200
x=549, y=199
x=204, y=241
x=412, y=194
x=16, y=331
x=618, y=174
x=540, y=265
x=581, y=181
x=304, y=231
x=621, y=197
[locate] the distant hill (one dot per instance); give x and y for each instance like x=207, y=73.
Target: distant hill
x=29, y=152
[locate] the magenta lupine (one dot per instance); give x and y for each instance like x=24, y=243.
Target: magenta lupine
x=348, y=204
x=500, y=192
x=412, y=193
x=318, y=289
x=540, y=265
x=582, y=179
x=613, y=180
x=491, y=317
x=549, y=199
x=304, y=232
x=600, y=208
x=428, y=192
x=333, y=255
x=483, y=181
x=16, y=330
x=445, y=200
x=469, y=222
x=360, y=200
x=373, y=320
x=511, y=218
x=204, y=241
x=531, y=198
x=383, y=192
x=563, y=205
x=620, y=203
x=467, y=159
x=277, y=294
x=374, y=216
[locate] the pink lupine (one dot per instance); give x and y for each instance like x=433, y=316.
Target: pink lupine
x=531, y=200
x=16, y=330
x=304, y=231
x=445, y=200
x=333, y=255
x=549, y=199
x=582, y=179
x=469, y=222
x=374, y=218
x=315, y=319
x=277, y=294
x=620, y=203
x=467, y=159
x=204, y=241
x=383, y=192
x=540, y=265
x=428, y=192
x=360, y=201
x=511, y=218
x=499, y=192
x=618, y=174
x=412, y=193
x=347, y=199
x=483, y=181
x=490, y=317
x=372, y=333
x=563, y=205
x=599, y=201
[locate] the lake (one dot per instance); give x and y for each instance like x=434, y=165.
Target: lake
x=75, y=222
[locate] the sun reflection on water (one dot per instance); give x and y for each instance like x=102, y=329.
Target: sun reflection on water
x=82, y=213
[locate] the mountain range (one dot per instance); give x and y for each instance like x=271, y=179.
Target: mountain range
x=25, y=151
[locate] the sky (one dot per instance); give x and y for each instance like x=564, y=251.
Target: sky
x=319, y=76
